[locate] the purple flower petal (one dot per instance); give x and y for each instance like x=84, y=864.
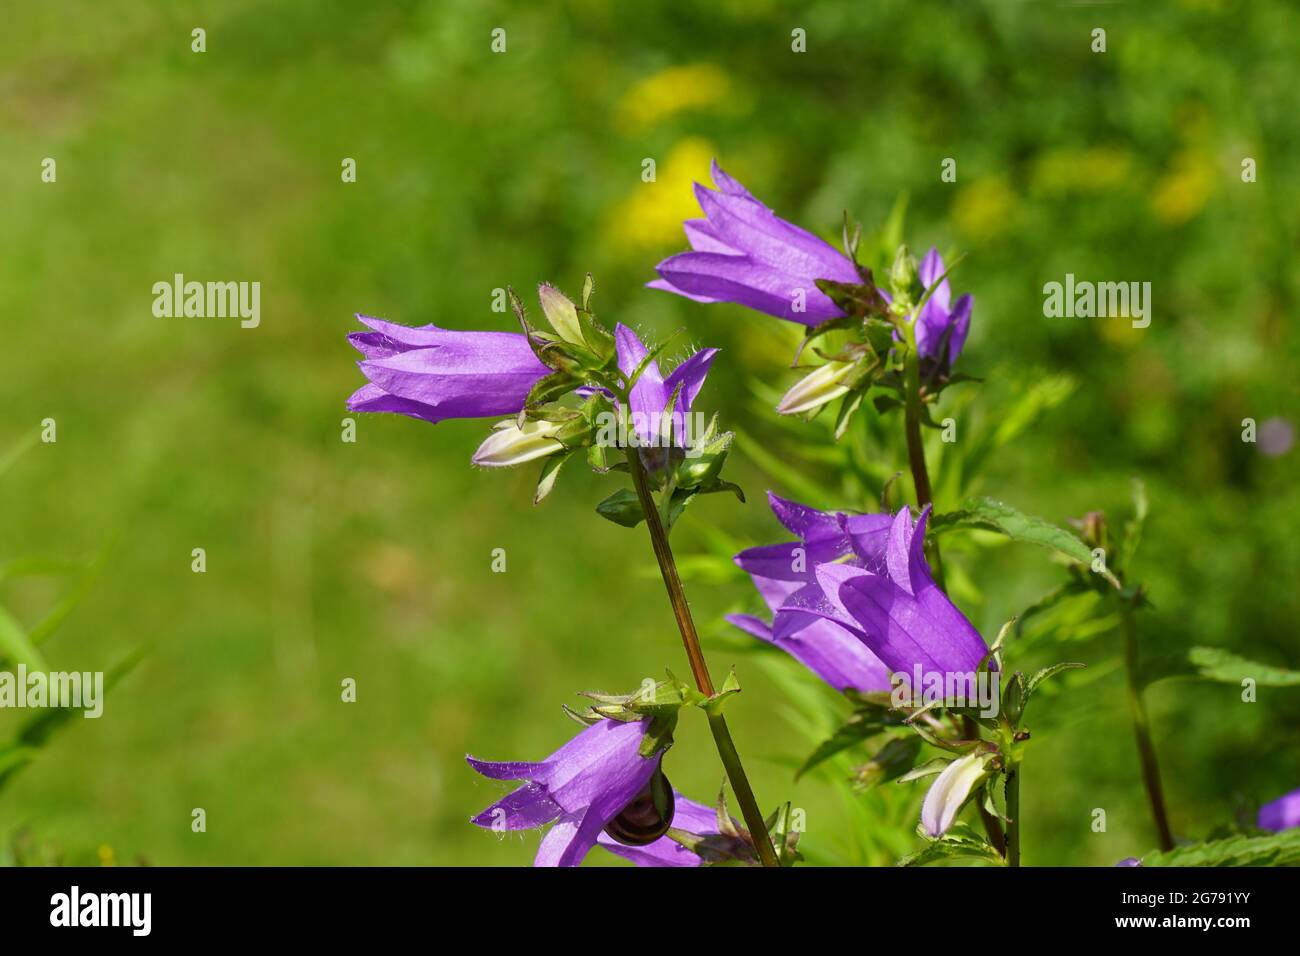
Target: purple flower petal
x=436, y=374
x=747, y=225
x=749, y=283
x=524, y=809
x=931, y=268
x=690, y=375
x=1280, y=814
x=803, y=520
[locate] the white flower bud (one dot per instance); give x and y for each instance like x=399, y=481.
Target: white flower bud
x=951, y=790
x=511, y=445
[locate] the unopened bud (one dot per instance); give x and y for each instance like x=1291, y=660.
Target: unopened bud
x=509, y=444
x=561, y=313
x=814, y=390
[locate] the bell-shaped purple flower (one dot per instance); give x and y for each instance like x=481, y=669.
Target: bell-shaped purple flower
x=652, y=392
x=942, y=325
x=1280, y=814
x=826, y=648
x=583, y=787
x=893, y=606
x=436, y=374
x=743, y=252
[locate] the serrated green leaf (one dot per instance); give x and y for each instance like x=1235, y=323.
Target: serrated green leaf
x=1051, y=671
x=960, y=842
x=1276, y=849
x=989, y=515
x=1220, y=665
x=861, y=725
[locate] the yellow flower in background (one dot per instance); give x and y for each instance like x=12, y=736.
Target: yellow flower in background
x=984, y=209
x=652, y=215
x=1117, y=330
x=669, y=92
x=1185, y=188
x=1101, y=168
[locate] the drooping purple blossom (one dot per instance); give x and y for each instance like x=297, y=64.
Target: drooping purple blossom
x=743, y=252
x=942, y=325
x=582, y=788
x=1280, y=814
x=893, y=606
x=826, y=648
x=436, y=374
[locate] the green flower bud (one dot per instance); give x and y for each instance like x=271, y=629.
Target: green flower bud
x=824, y=384
x=561, y=313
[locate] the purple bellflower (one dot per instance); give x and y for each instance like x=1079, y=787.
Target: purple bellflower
x=652, y=392
x=942, y=325
x=894, y=607
x=1280, y=814
x=829, y=650
x=743, y=252
x=598, y=781
x=437, y=374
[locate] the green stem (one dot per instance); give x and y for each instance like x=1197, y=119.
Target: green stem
x=1013, y=815
x=1138, y=711
x=916, y=450
x=690, y=640
x=921, y=479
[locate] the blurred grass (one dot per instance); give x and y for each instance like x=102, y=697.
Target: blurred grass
x=476, y=170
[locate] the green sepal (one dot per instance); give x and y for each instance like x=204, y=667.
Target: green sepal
x=785, y=839
x=715, y=849
x=701, y=468
x=658, y=735
x=1015, y=694
x=857, y=299
x=927, y=769
x=848, y=407
x=730, y=687
x=550, y=471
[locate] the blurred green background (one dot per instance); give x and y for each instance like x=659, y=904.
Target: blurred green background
x=478, y=170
